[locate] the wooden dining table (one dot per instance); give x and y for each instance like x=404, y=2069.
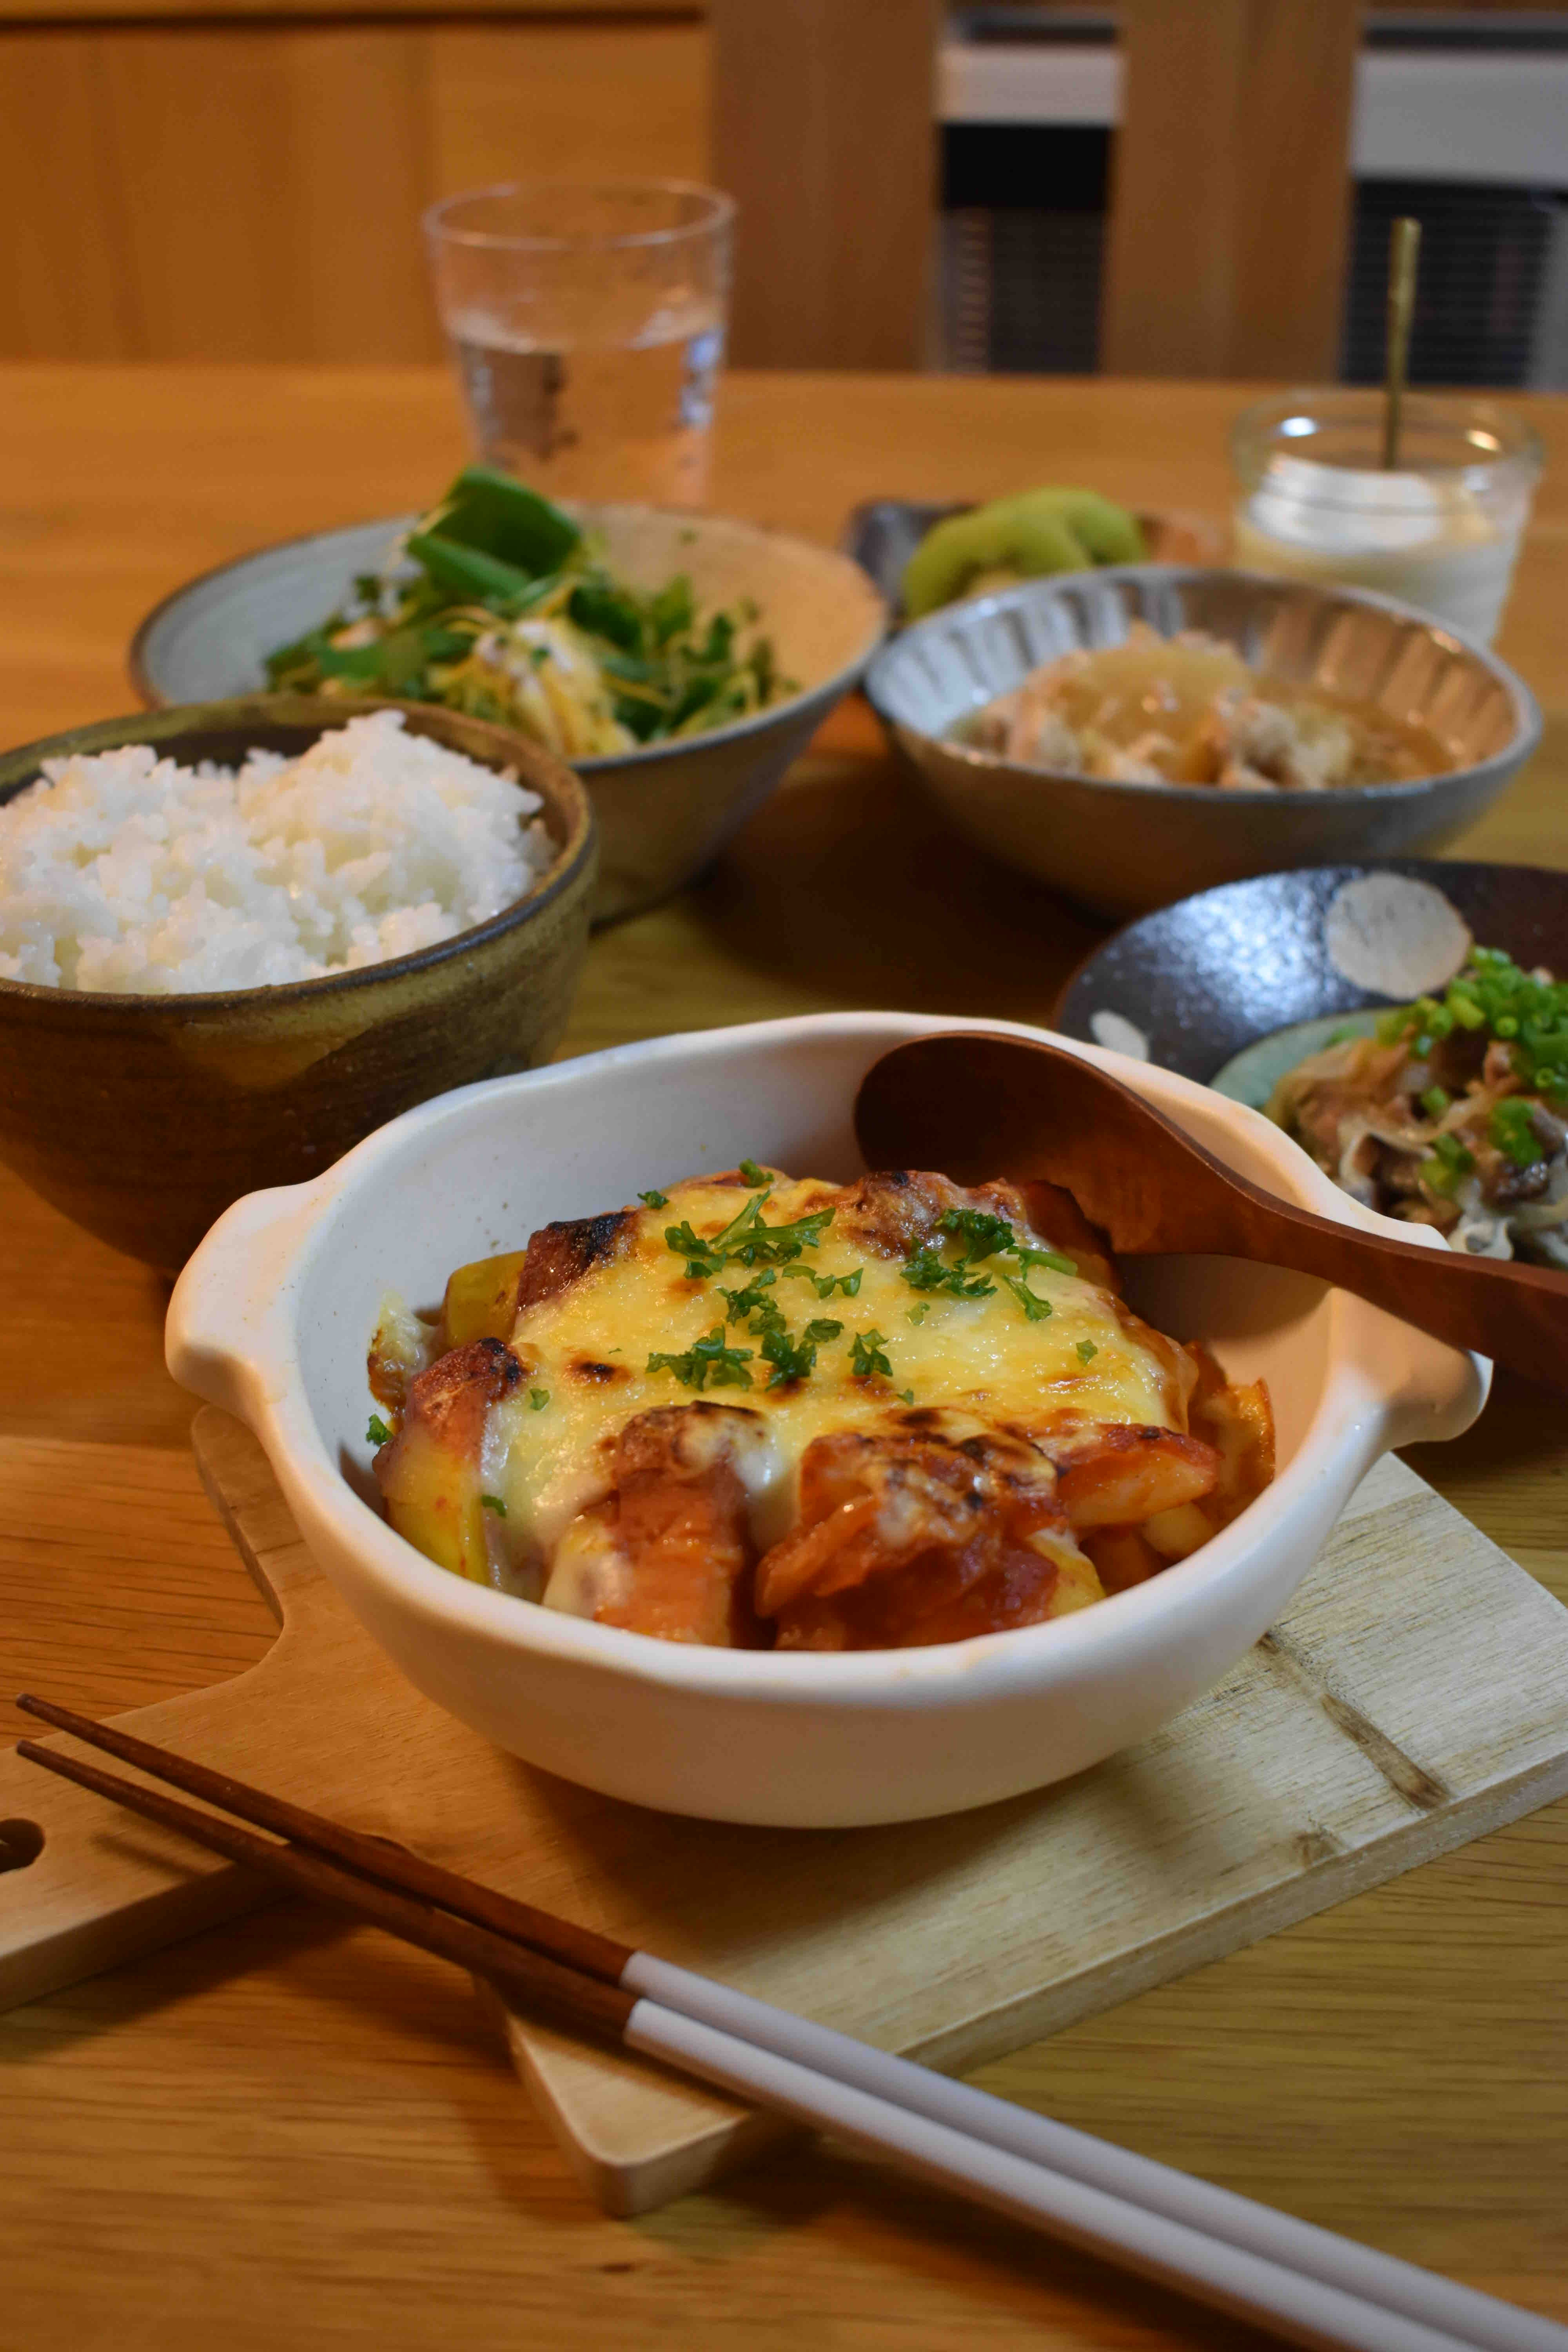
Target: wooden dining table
x=289, y=2132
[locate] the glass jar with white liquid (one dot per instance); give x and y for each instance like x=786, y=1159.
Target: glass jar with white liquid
x=1440, y=530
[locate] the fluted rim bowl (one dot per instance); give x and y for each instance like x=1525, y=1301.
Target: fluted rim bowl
x=664, y=810
x=141, y=1115
x=1121, y=847
x=271, y=1318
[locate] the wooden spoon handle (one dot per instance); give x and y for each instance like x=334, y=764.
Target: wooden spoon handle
x=1516, y=1314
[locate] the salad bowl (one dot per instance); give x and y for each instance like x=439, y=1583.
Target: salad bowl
x=665, y=810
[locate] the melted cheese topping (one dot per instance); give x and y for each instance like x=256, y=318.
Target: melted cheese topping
x=985, y=1357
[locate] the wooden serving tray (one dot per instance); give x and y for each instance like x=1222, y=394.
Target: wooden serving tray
x=1414, y=1696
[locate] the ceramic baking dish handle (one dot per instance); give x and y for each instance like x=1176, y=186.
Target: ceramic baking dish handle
x=1428, y=1391
x=225, y=1316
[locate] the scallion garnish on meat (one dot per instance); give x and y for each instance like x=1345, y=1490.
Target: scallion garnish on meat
x=1451, y=1114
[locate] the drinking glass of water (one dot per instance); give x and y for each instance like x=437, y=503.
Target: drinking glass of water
x=587, y=324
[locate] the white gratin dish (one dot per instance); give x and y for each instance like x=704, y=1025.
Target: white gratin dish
x=271, y=1318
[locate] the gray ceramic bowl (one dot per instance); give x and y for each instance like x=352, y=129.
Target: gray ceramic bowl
x=1122, y=849
x=143, y=1117
x=664, y=811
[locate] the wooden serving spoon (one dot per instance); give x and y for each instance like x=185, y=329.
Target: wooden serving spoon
x=976, y=1105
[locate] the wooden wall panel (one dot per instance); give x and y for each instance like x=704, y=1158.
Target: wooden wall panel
x=521, y=101
x=65, y=285
x=270, y=183
x=823, y=131
x=242, y=192
x=1230, y=202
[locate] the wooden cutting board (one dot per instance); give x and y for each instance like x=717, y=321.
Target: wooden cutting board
x=1414, y=1696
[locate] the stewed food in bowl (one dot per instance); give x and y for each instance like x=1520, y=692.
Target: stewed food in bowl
x=1188, y=709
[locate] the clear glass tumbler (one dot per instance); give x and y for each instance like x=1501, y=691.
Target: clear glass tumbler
x=1440, y=530
x=587, y=325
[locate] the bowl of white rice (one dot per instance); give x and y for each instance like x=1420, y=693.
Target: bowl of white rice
x=236, y=937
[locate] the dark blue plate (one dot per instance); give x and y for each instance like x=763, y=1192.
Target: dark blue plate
x=1233, y=986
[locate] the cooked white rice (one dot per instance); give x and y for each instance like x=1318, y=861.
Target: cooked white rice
x=123, y=871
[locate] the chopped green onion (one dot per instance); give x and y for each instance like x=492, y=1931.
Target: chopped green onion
x=1513, y=1131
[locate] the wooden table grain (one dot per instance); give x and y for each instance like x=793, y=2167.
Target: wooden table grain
x=291, y=2133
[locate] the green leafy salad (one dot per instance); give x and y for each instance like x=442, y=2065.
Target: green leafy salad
x=500, y=605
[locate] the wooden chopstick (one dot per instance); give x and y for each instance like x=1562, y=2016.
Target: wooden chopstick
x=833, y=2082
x=395, y=1866
x=567, y=1993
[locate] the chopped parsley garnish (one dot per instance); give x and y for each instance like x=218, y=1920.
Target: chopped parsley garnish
x=754, y=1303
x=1028, y=1256
x=918, y=1314
x=654, y=1200
x=494, y=1503
x=823, y=1327
x=378, y=1433
x=539, y=1398
x=924, y=1270
x=746, y=1241
x=867, y=1356
x=708, y=1361
x=1037, y=1309
x=1493, y=995
x=792, y=1359
x=1513, y=1131
x=908, y=1395
x=753, y=1174
x=1086, y=1351
x=985, y=1235
x=824, y=1285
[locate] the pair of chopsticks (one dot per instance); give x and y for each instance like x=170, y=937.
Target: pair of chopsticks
x=1303, y=2283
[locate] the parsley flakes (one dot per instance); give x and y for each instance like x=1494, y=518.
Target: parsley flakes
x=654, y=1200
x=824, y=1285
x=708, y=1361
x=1028, y=1256
x=985, y=1236
x=865, y=1355
x=378, y=1433
x=746, y=1241
x=924, y=1270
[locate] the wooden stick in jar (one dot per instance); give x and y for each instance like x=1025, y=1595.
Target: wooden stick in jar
x=1404, y=260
